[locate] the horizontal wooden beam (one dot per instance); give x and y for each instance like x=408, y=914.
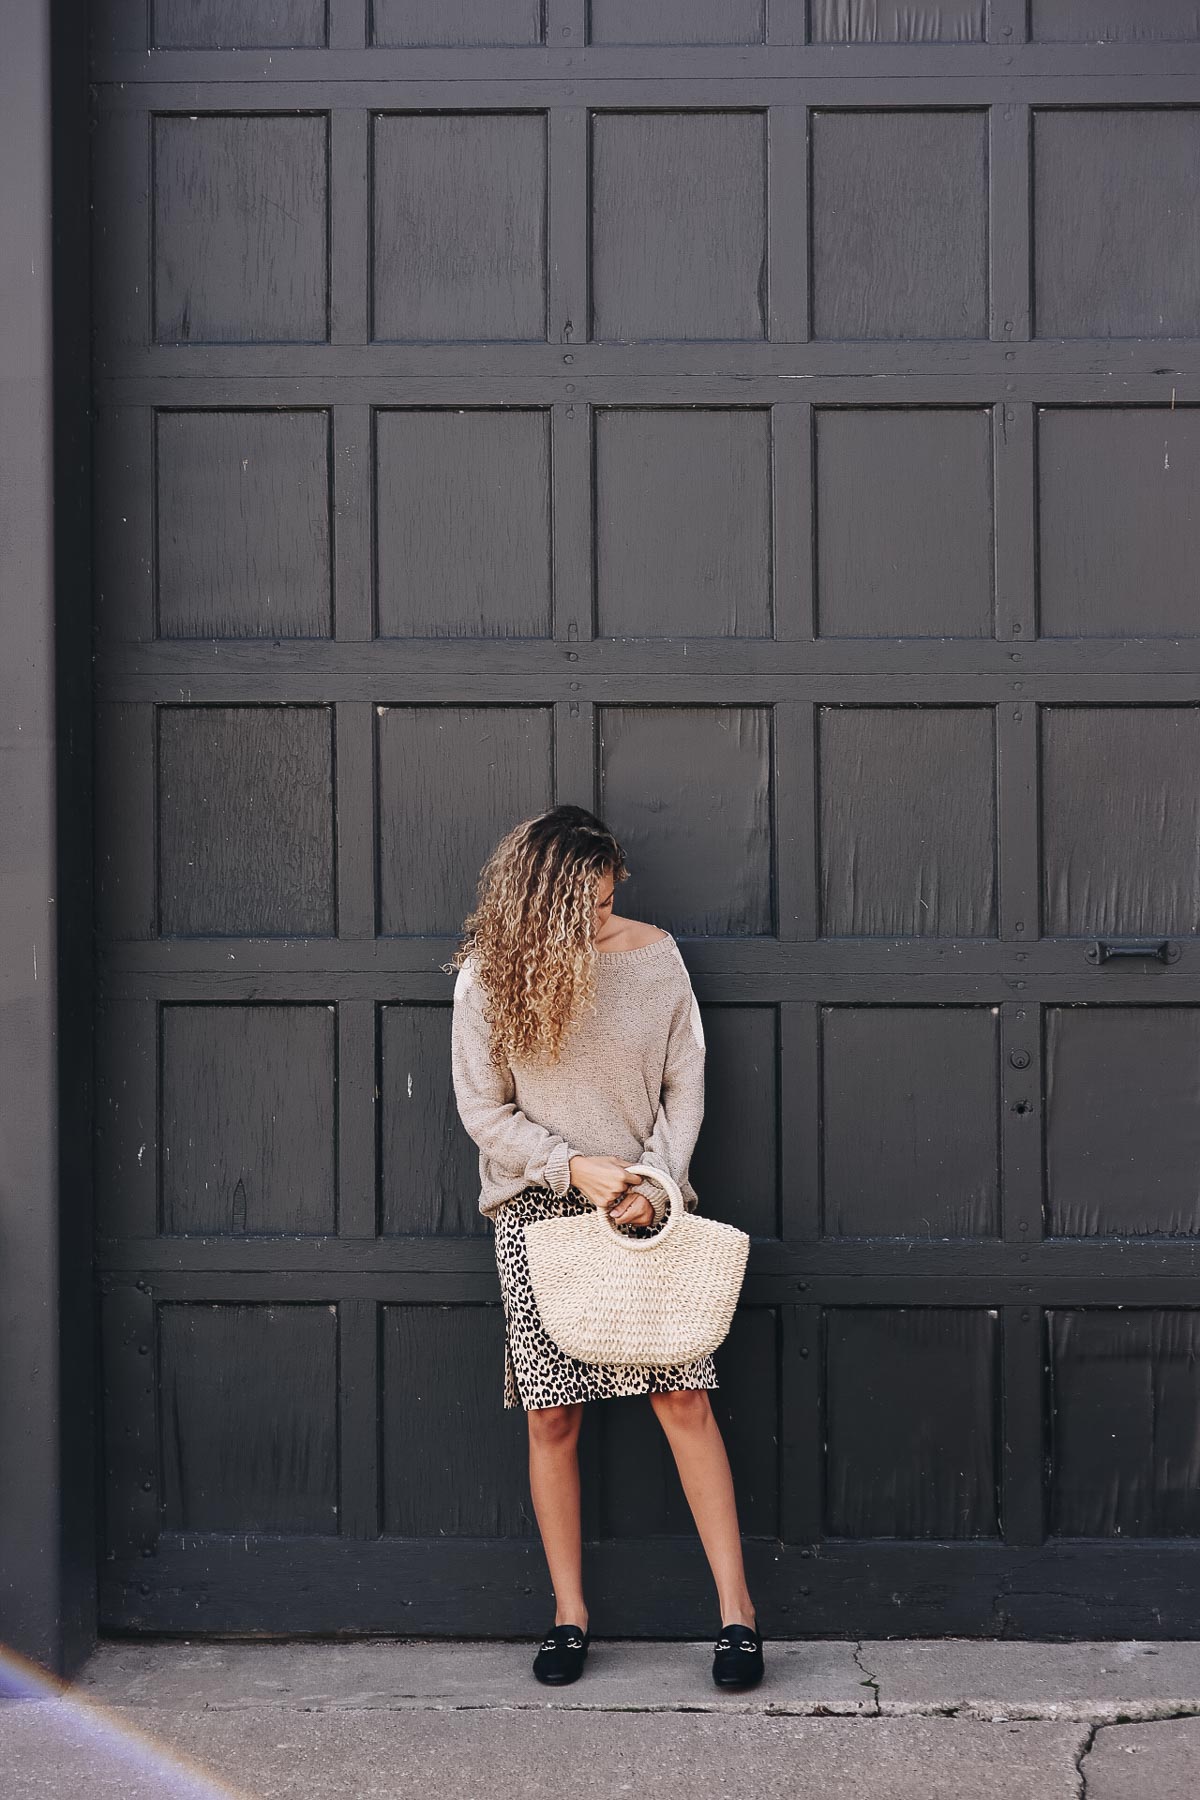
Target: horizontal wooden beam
x=454, y=1587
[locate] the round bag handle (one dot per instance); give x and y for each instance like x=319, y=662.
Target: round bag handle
x=675, y=1209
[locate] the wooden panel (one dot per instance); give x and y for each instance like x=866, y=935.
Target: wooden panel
x=455, y=1463
x=456, y=23
x=240, y=230
x=429, y=1167
x=249, y=1418
x=896, y=22
x=1120, y=819
x=678, y=225
x=683, y=522
x=247, y=1122
x=899, y=224
x=463, y=523
x=1110, y=187
x=245, y=820
x=459, y=226
x=904, y=522
x=629, y=1459
x=1122, y=1120
x=1118, y=529
x=909, y=1135
x=446, y=775
x=242, y=503
x=735, y=1169
x=911, y=1409
x=676, y=21
x=908, y=821
x=1113, y=21
x=665, y=772
x=1125, y=1423
x=238, y=24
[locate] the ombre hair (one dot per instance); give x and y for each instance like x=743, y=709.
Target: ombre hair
x=530, y=933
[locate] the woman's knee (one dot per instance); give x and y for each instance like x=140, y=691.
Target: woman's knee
x=683, y=1406
x=554, y=1424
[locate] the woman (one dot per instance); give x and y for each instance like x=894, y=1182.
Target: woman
x=577, y=1049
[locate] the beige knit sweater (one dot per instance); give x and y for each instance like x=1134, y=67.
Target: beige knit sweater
x=629, y=1081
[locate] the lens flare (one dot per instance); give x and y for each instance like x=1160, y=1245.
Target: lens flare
x=119, y=1744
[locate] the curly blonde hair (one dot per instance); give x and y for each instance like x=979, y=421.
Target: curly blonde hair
x=530, y=933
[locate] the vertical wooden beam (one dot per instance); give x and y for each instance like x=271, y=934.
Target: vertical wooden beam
x=123, y=279
x=1018, y=855
x=788, y=224
x=1023, y=1447
x=1022, y=1085
x=357, y=1118
x=794, y=831
x=125, y=598
x=358, y=1418
x=566, y=24
x=132, y=1475
x=1014, y=520
x=569, y=226
x=127, y=1170
x=353, y=524
x=350, y=225
x=571, y=515
x=787, y=21
x=355, y=775
x=116, y=25
x=347, y=23
x=1008, y=21
x=126, y=807
x=793, y=510
x=1009, y=216
x=575, y=772
x=801, y=1428
x=799, y=1121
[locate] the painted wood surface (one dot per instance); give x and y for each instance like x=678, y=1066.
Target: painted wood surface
x=774, y=426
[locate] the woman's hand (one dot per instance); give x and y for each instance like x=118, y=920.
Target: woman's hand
x=637, y=1210
x=605, y=1180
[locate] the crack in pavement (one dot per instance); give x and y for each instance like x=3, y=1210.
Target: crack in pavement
x=1161, y=1717
x=982, y=1712
x=869, y=1680
x=1081, y=1756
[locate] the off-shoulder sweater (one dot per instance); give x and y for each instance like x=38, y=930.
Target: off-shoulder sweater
x=629, y=1081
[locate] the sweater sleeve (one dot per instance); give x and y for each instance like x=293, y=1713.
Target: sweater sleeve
x=484, y=1096
x=681, y=1107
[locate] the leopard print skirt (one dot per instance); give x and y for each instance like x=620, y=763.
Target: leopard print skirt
x=536, y=1372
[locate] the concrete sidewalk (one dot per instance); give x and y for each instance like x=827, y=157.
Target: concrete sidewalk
x=386, y=1720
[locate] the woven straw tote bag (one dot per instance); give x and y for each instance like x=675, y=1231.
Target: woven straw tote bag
x=605, y=1297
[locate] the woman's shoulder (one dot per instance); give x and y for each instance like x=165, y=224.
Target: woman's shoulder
x=466, y=981
x=648, y=959
x=634, y=935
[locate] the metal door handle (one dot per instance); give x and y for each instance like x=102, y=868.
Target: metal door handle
x=1160, y=948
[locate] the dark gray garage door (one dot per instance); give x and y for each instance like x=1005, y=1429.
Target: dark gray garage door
x=776, y=427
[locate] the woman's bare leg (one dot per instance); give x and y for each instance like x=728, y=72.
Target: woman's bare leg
x=554, y=1487
x=699, y=1450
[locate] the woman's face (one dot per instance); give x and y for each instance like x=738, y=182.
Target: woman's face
x=602, y=911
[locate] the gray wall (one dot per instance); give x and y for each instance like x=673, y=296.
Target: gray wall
x=47, y=1513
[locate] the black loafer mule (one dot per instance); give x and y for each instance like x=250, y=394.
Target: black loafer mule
x=737, y=1657
x=562, y=1655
